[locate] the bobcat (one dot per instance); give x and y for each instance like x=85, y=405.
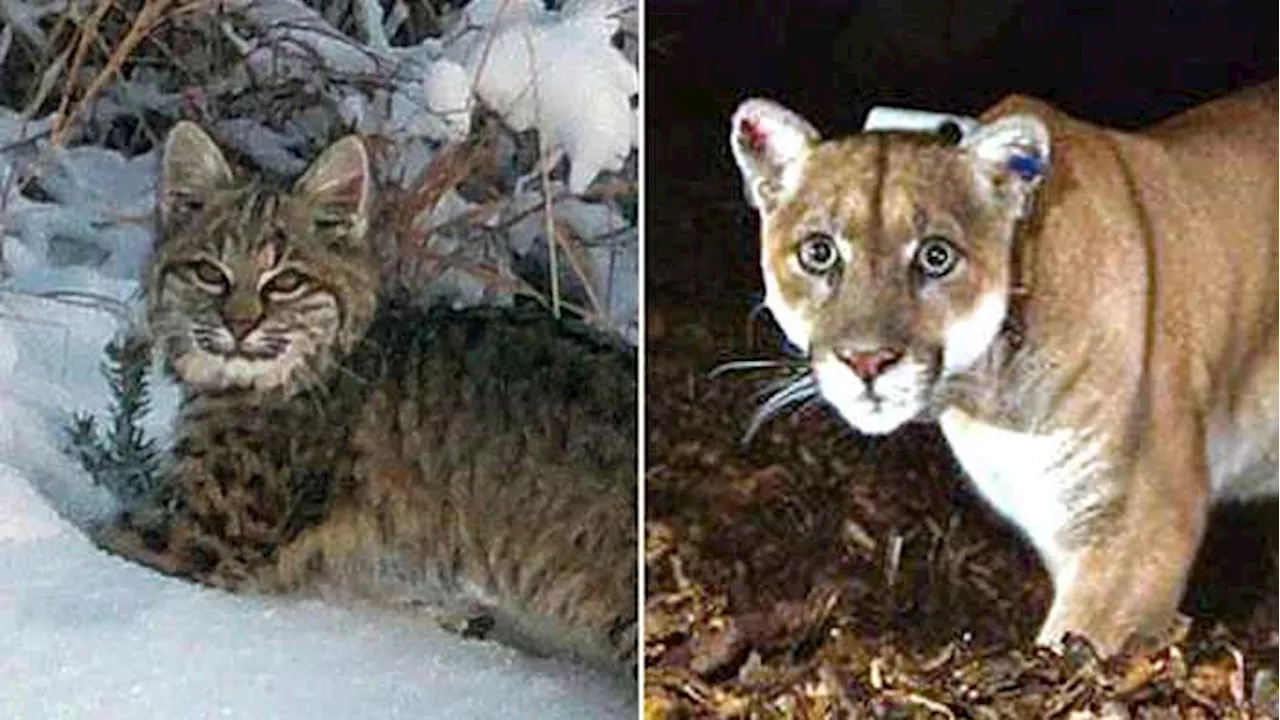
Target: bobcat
x=1089, y=315
x=477, y=465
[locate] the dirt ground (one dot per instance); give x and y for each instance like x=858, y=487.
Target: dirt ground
x=814, y=573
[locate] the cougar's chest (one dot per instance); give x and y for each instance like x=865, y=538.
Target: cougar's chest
x=1042, y=482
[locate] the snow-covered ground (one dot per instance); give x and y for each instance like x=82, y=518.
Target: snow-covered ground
x=87, y=635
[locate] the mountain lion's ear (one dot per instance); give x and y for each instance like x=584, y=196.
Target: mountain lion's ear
x=339, y=184
x=1010, y=157
x=191, y=166
x=770, y=144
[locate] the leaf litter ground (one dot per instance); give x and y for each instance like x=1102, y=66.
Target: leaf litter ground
x=817, y=574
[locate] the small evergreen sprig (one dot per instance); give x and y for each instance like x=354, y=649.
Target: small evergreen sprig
x=120, y=458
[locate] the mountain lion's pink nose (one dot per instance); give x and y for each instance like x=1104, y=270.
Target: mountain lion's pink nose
x=870, y=365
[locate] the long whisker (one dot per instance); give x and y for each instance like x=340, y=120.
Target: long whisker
x=773, y=386
x=803, y=388
x=753, y=364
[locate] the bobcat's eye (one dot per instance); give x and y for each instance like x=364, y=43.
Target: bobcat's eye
x=210, y=276
x=187, y=205
x=936, y=257
x=285, y=283
x=330, y=222
x=818, y=254
x=182, y=205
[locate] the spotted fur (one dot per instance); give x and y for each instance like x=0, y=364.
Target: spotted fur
x=477, y=467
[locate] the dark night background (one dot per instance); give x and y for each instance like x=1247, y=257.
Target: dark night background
x=1122, y=63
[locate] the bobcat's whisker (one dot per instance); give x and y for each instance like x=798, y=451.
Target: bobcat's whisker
x=330, y=442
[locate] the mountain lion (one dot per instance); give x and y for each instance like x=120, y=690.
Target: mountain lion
x=1090, y=316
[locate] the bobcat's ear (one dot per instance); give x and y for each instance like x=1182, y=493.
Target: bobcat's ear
x=339, y=184
x=191, y=166
x=1010, y=157
x=770, y=144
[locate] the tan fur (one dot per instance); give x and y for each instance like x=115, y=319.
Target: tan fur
x=476, y=467
x=1136, y=361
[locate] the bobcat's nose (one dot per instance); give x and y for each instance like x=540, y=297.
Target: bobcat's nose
x=869, y=365
x=241, y=326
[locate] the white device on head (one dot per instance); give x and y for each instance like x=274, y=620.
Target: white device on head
x=893, y=118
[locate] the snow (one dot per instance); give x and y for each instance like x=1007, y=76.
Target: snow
x=606, y=261
x=557, y=71
x=88, y=635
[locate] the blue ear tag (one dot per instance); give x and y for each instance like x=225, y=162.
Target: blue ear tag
x=1027, y=167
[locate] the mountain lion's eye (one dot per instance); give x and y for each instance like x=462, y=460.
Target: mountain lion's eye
x=936, y=257
x=285, y=283
x=209, y=275
x=818, y=254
